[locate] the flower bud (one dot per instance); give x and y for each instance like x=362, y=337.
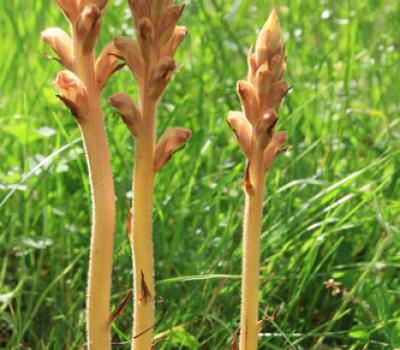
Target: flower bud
x=88, y=27
x=61, y=43
x=265, y=129
x=273, y=149
x=278, y=92
x=263, y=81
x=129, y=112
x=252, y=63
x=146, y=33
x=161, y=76
x=167, y=23
x=275, y=64
x=242, y=129
x=72, y=91
x=70, y=9
x=106, y=65
x=269, y=41
x=171, y=46
x=169, y=143
x=129, y=51
x=140, y=9
x=158, y=8
x=248, y=100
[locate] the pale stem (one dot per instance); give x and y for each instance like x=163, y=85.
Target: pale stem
x=249, y=326
x=141, y=239
x=103, y=220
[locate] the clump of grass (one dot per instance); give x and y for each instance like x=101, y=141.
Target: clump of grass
x=80, y=88
x=254, y=126
x=151, y=62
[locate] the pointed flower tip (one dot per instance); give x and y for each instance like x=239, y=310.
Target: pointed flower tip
x=269, y=41
x=273, y=22
x=274, y=15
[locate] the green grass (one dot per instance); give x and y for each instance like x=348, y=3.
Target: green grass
x=332, y=205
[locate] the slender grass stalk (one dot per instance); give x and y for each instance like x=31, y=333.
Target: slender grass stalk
x=80, y=89
x=254, y=127
x=150, y=59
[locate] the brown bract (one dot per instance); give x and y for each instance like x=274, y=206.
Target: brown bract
x=172, y=140
x=129, y=112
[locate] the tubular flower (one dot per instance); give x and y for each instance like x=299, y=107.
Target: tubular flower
x=72, y=91
x=61, y=43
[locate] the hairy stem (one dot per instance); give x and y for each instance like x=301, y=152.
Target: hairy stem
x=103, y=220
x=141, y=239
x=251, y=254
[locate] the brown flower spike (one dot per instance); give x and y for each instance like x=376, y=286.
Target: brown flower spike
x=150, y=60
x=80, y=88
x=260, y=97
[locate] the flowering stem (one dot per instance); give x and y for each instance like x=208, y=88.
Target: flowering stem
x=251, y=255
x=80, y=88
x=141, y=235
x=103, y=220
x=150, y=59
x=260, y=97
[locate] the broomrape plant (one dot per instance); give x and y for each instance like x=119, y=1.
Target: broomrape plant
x=150, y=59
x=80, y=88
x=260, y=97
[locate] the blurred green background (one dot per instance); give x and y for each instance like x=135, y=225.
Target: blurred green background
x=332, y=204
